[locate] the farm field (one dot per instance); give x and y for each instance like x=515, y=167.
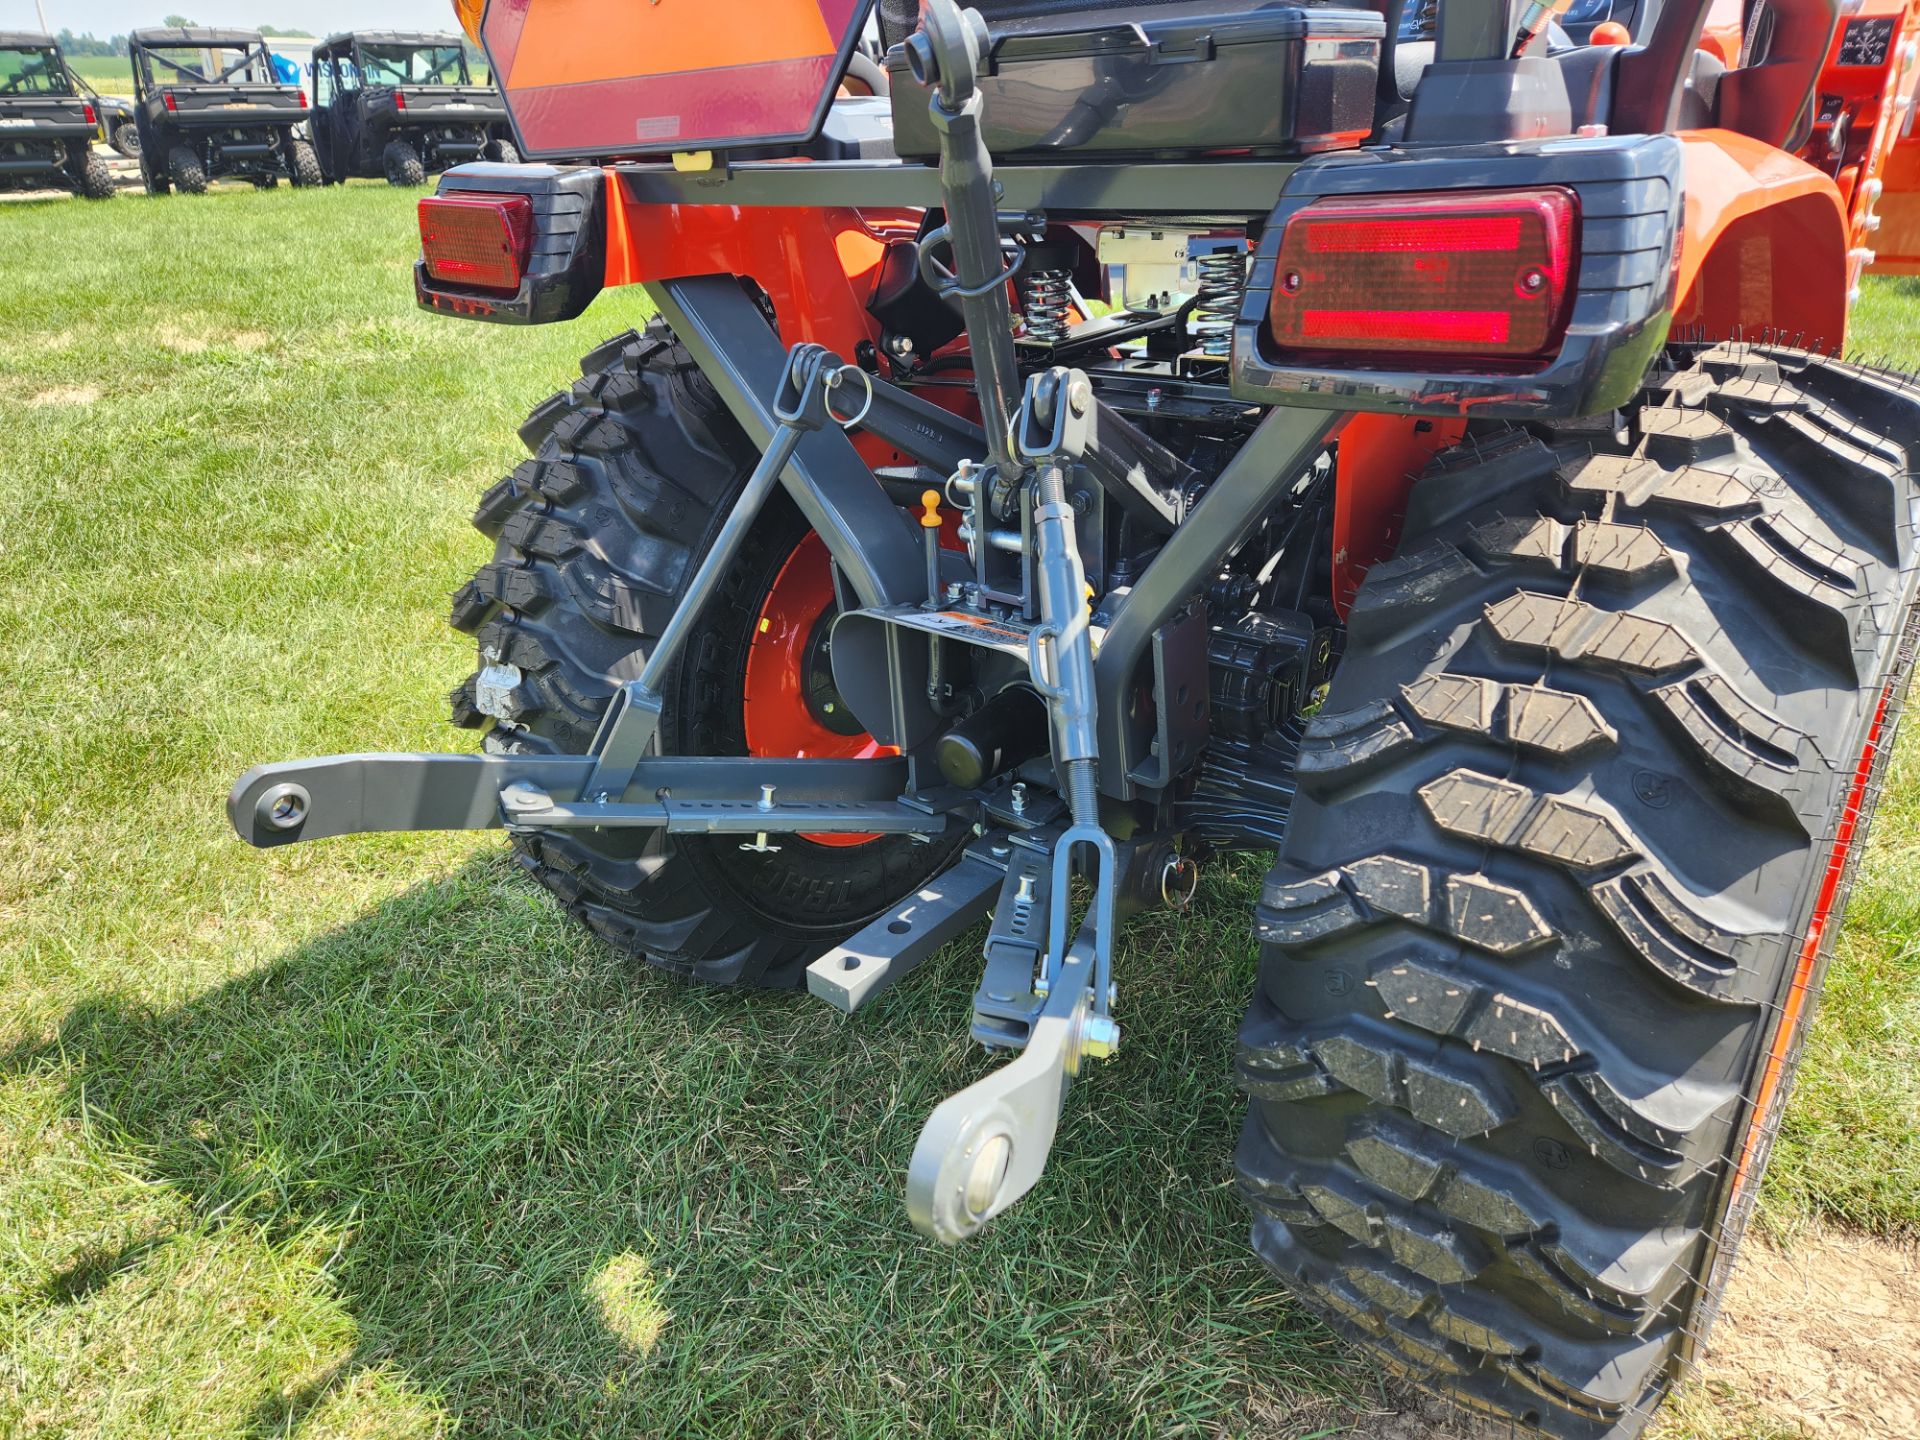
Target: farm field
x=363, y=1139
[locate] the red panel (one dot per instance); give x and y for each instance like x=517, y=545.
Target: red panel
x=617, y=77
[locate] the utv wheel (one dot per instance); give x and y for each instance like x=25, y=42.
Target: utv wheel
x=187, y=171
x=156, y=182
x=403, y=165
x=633, y=472
x=303, y=166
x=126, y=139
x=1599, y=753
x=503, y=152
x=95, y=181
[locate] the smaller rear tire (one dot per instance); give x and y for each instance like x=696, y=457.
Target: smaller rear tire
x=304, y=166
x=95, y=181
x=126, y=139
x=403, y=165
x=156, y=183
x=187, y=171
x=502, y=152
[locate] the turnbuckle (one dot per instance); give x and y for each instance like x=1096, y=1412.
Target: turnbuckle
x=985, y=1147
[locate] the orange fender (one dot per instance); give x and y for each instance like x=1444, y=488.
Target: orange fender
x=1764, y=245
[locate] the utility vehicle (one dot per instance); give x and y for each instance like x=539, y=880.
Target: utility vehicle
x=47, y=121
x=207, y=107
x=402, y=105
x=1457, y=489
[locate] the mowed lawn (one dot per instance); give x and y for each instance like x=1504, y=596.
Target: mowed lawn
x=362, y=1139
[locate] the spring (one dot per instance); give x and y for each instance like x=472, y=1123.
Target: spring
x=1046, y=302
x=1223, y=284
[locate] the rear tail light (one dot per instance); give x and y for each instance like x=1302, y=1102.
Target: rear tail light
x=167, y=96
x=92, y=119
x=477, y=240
x=303, y=98
x=399, y=100
x=1476, y=277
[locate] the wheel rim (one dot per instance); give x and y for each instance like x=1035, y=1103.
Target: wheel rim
x=790, y=705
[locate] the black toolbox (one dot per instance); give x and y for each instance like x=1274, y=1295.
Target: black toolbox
x=1177, y=79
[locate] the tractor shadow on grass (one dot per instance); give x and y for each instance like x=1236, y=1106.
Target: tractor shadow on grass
x=575, y=1197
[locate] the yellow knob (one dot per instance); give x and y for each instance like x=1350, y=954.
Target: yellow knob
x=930, y=501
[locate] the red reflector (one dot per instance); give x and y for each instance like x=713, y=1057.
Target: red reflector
x=172, y=104
x=399, y=100
x=1463, y=277
x=92, y=119
x=477, y=240
x=303, y=99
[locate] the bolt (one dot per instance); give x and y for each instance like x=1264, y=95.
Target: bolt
x=766, y=797
x=1290, y=282
x=1042, y=987
x=1017, y=797
x=522, y=796
x=1023, y=894
x=1079, y=396
x=999, y=852
x=1099, y=1038
x=1532, y=282
x=1113, y=993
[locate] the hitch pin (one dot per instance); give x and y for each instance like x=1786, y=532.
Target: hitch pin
x=930, y=534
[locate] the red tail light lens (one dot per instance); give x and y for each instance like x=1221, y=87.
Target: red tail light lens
x=477, y=240
x=399, y=100
x=1462, y=277
x=92, y=119
x=172, y=104
x=303, y=99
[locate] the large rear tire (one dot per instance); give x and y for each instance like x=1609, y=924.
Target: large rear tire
x=633, y=472
x=303, y=166
x=1574, y=828
x=403, y=166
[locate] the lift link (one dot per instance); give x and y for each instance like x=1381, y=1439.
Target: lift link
x=801, y=405
x=985, y=1147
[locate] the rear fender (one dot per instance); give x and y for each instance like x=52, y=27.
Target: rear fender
x=1763, y=247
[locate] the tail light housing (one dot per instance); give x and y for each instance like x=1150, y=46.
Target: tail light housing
x=400, y=100
x=469, y=12
x=303, y=98
x=1423, y=281
x=92, y=119
x=166, y=97
x=477, y=240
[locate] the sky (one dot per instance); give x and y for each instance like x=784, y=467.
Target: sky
x=315, y=17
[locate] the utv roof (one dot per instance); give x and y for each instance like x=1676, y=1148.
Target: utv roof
x=11, y=38
x=194, y=35
x=390, y=37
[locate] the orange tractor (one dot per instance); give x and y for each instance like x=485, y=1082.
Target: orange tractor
x=1076, y=440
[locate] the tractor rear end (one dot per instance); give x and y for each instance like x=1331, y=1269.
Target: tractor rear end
x=1410, y=444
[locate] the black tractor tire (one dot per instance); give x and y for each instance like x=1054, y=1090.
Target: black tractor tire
x=502, y=152
x=126, y=139
x=1599, y=753
x=403, y=165
x=303, y=166
x=633, y=472
x=189, y=176
x=95, y=181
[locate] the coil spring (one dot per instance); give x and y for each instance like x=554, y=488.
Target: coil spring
x=1048, y=298
x=1222, y=286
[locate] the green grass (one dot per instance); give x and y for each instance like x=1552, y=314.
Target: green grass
x=110, y=74
x=361, y=1139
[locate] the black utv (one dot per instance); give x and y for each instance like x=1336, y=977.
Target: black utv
x=208, y=106
x=402, y=105
x=47, y=123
